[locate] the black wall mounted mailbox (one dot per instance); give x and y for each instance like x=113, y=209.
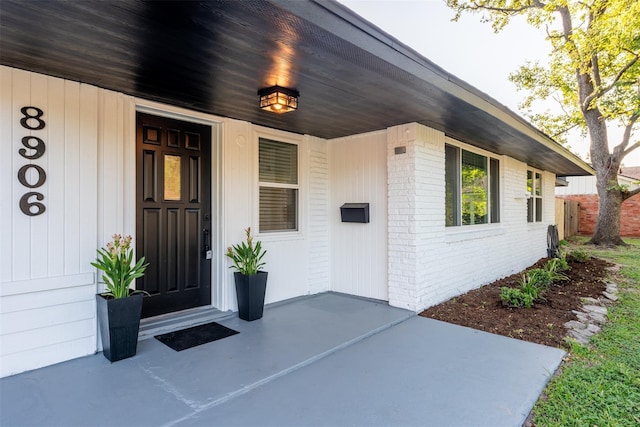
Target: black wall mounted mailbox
x=355, y=212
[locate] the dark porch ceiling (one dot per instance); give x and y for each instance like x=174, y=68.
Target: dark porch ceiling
x=213, y=56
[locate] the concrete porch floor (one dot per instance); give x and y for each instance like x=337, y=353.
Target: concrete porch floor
x=323, y=360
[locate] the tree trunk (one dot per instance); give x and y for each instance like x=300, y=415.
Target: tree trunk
x=610, y=198
x=607, y=231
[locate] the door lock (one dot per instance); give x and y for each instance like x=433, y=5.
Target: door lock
x=208, y=253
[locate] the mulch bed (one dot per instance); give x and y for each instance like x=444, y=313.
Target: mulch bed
x=544, y=323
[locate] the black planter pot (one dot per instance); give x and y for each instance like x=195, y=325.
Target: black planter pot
x=250, y=292
x=119, y=321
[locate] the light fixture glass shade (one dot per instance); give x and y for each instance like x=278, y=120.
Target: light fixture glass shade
x=278, y=99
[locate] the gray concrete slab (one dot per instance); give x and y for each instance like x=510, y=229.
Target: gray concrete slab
x=419, y=373
x=328, y=359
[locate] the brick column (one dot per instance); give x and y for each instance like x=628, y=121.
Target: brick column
x=415, y=168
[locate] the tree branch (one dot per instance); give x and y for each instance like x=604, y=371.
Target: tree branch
x=535, y=4
x=595, y=65
x=621, y=150
x=565, y=130
x=630, y=193
x=598, y=93
x=631, y=148
x=626, y=137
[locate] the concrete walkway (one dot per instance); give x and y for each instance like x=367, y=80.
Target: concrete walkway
x=325, y=360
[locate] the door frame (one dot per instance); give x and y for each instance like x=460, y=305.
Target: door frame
x=218, y=265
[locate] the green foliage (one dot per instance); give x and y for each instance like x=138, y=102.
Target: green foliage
x=579, y=255
x=593, y=72
x=474, y=194
x=559, y=264
x=530, y=289
x=516, y=297
x=246, y=257
x=116, y=263
x=554, y=269
x=601, y=383
x=600, y=45
x=614, y=186
x=534, y=283
x=538, y=277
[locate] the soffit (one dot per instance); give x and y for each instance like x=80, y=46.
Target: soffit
x=213, y=56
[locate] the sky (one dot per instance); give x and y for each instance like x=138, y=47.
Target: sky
x=469, y=49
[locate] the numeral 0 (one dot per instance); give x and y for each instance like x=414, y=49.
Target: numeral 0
x=22, y=176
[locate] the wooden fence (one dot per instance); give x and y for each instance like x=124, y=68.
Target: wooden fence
x=571, y=217
x=567, y=217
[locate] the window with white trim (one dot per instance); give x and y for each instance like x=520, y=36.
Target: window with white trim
x=472, y=188
x=278, y=185
x=534, y=196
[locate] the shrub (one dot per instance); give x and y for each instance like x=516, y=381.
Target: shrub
x=530, y=290
x=538, y=277
x=554, y=269
x=533, y=284
x=516, y=297
x=579, y=255
x=560, y=263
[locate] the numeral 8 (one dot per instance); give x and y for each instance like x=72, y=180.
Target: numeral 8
x=37, y=117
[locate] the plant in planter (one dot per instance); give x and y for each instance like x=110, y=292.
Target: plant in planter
x=251, y=281
x=119, y=307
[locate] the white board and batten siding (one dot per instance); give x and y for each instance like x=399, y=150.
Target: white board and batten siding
x=47, y=285
x=297, y=261
x=587, y=185
x=358, y=174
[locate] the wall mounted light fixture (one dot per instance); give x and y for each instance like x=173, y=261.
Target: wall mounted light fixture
x=278, y=99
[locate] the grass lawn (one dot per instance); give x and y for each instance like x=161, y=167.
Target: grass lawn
x=599, y=385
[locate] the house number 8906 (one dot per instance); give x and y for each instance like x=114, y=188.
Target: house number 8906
x=32, y=120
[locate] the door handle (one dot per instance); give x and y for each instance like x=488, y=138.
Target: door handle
x=207, y=253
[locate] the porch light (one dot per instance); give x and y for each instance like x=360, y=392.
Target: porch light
x=278, y=99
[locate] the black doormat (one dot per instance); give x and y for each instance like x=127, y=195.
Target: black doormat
x=197, y=335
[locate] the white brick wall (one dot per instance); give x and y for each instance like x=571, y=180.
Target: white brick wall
x=428, y=262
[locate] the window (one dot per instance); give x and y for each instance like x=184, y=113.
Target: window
x=472, y=186
x=278, y=182
x=534, y=200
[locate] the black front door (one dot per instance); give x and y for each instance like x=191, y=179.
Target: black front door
x=173, y=213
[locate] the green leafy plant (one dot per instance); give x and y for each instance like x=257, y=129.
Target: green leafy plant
x=579, y=255
x=530, y=288
x=118, y=268
x=247, y=257
x=554, y=269
x=516, y=297
x=561, y=263
x=534, y=284
x=537, y=278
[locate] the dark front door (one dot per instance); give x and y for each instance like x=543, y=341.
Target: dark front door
x=173, y=213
